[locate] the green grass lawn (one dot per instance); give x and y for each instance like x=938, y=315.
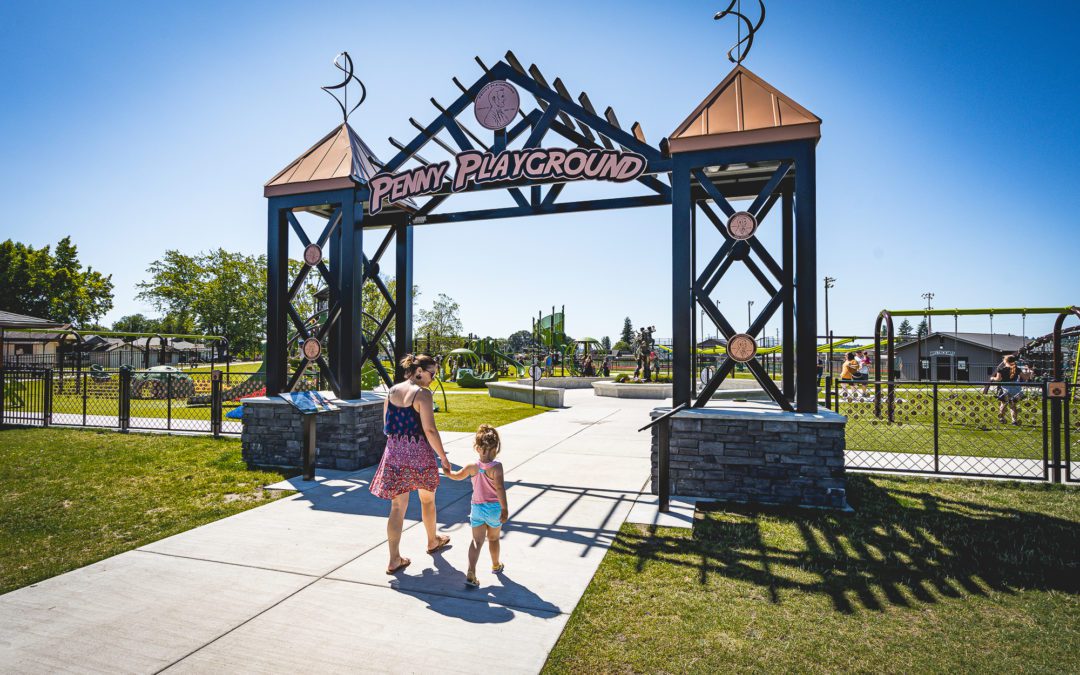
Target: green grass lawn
x=72, y=497
x=468, y=412
x=240, y=367
x=924, y=576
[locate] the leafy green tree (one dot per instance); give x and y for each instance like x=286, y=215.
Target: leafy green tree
x=231, y=298
x=905, y=329
x=216, y=293
x=923, y=329
x=605, y=342
x=627, y=334
x=520, y=342
x=135, y=323
x=55, y=286
x=442, y=319
x=173, y=286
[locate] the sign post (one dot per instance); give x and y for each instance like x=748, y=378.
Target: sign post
x=310, y=404
x=535, y=373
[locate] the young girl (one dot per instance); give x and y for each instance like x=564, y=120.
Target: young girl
x=489, y=509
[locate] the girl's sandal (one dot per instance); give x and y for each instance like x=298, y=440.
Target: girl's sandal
x=497, y=569
x=471, y=581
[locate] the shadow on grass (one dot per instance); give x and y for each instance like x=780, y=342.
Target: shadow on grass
x=905, y=544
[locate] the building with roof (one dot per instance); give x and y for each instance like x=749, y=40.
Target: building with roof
x=961, y=357
x=26, y=338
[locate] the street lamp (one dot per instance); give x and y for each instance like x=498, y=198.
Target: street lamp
x=829, y=283
x=749, y=304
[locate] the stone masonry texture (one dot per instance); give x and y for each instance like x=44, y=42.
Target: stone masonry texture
x=348, y=439
x=781, y=459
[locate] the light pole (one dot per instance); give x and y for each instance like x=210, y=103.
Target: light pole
x=749, y=304
x=829, y=283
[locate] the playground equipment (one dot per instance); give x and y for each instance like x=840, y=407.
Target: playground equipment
x=1057, y=370
x=549, y=335
x=487, y=350
x=456, y=360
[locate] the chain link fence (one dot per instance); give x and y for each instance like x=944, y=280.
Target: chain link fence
x=955, y=428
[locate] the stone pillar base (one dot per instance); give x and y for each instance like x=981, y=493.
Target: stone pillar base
x=752, y=452
x=348, y=439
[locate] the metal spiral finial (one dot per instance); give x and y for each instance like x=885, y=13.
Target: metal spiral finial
x=751, y=29
x=343, y=62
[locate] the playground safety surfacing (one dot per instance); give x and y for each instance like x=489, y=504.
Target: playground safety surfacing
x=300, y=584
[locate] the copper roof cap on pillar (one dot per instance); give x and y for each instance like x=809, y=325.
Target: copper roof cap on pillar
x=744, y=110
x=340, y=160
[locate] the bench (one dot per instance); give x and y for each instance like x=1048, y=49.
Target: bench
x=549, y=397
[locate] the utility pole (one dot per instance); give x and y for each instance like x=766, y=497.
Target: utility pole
x=929, y=322
x=749, y=304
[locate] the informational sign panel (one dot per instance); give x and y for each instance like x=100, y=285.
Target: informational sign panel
x=309, y=402
x=536, y=372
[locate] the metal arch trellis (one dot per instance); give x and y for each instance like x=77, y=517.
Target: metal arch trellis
x=555, y=113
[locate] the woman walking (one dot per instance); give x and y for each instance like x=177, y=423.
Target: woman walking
x=408, y=463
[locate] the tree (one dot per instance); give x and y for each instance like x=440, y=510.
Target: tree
x=905, y=329
x=922, y=330
x=605, y=342
x=173, y=286
x=627, y=334
x=231, y=298
x=135, y=323
x=442, y=319
x=520, y=342
x=217, y=293
x=55, y=286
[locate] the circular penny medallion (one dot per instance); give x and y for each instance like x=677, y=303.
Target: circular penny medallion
x=312, y=255
x=312, y=349
x=741, y=347
x=742, y=225
x=496, y=105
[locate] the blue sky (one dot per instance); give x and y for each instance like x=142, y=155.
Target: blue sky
x=946, y=162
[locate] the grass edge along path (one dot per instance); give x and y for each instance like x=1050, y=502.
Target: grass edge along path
x=924, y=576
x=72, y=497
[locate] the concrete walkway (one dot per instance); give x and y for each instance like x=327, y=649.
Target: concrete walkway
x=299, y=584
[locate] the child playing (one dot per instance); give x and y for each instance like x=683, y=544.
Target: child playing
x=489, y=509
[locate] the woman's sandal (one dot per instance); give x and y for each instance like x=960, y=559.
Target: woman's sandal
x=498, y=569
x=443, y=541
x=405, y=562
x=471, y=581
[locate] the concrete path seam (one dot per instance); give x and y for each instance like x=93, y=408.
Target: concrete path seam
x=225, y=562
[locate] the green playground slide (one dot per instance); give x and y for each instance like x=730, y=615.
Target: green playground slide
x=519, y=366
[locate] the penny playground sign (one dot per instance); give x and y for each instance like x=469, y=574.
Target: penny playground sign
x=495, y=106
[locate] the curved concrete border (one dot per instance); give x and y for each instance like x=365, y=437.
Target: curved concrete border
x=575, y=382
x=657, y=390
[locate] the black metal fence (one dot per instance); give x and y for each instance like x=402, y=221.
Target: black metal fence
x=25, y=396
x=200, y=402
x=958, y=428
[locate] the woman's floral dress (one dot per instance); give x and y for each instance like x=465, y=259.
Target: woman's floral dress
x=408, y=463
